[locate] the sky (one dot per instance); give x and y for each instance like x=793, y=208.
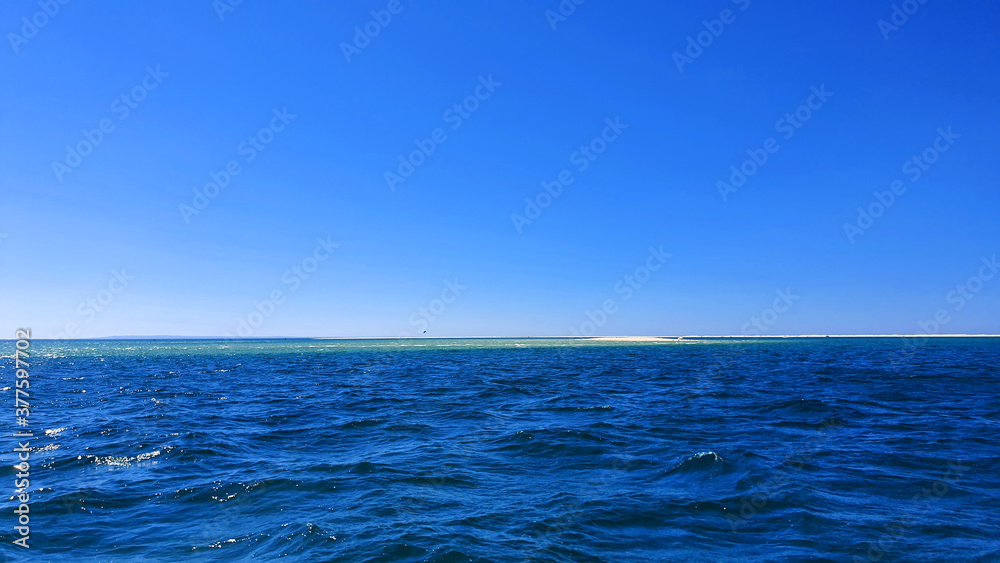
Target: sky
x=534, y=168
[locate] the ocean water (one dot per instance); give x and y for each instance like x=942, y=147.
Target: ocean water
x=509, y=450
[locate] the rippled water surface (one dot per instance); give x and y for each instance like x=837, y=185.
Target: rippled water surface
x=510, y=450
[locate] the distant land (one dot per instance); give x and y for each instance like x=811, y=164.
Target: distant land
x=603, y=338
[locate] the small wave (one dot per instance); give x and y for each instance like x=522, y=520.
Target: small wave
x=363, y=423
x=801, y=406
x=578, y=409
x=123, y=461
x=699, y=462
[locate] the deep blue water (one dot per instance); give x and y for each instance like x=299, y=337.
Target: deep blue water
x=509, y=450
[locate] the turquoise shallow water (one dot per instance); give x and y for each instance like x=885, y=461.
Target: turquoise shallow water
x=510, y=450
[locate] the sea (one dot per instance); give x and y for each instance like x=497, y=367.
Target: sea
x=540, y=449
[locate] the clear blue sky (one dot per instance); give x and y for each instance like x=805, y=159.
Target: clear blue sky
x=656, y=183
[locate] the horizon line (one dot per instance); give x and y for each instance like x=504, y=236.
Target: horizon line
x=568, y=337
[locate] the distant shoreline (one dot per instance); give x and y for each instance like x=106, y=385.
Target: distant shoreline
x=588, y=338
